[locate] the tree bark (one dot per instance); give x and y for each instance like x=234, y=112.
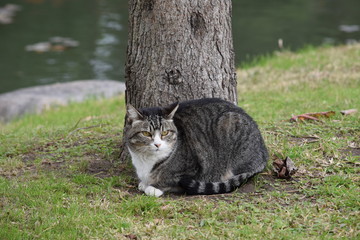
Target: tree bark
x=179, y=50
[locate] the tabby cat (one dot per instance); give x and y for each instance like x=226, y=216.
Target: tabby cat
x=204, y=146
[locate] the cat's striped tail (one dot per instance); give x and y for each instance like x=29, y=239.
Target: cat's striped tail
x=194, y=187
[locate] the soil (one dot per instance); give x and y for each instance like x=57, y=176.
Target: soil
x=101, y=167
x=355, y=152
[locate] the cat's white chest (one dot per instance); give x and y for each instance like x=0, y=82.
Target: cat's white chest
x=143, y=165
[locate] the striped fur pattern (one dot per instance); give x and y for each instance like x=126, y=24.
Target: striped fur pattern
x=194, y=187
x=205, y=146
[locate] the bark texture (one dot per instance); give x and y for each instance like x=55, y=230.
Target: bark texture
x=179, y=50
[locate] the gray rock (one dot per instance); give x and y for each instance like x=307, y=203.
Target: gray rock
x=36, y=99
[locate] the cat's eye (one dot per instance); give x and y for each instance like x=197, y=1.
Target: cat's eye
x=146, y=134
x=164, y=133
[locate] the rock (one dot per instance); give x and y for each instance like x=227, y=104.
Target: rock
x=37, y=99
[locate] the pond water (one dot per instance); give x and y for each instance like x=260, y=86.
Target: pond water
x=99, y=27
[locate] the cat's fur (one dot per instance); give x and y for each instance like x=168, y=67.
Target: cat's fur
x=204, y=146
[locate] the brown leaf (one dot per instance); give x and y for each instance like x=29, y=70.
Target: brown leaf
x=284, y=168
x=282, y=173
x=349, y=111
x=303, y=117
x=278, y=163
x=322, y=114
x=131, y=236
x=312, y=116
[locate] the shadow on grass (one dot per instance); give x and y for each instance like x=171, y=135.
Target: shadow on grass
x=61, y=159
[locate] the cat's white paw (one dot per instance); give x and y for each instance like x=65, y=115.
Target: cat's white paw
x=151, y=191
x=142, y=187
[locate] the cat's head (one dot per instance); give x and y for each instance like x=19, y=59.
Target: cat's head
x=151, y=130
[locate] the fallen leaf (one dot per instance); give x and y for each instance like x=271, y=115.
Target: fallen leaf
x=312, y=116
x=284, y=168
x=303, y=117
x=131, y=236
x=349, y=111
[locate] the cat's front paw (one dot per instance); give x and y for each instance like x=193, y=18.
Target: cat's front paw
x=151, y=191
x=142, y=186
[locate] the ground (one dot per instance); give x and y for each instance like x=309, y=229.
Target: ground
x=61, y=178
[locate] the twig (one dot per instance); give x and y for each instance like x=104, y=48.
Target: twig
x=84, y=119
x=77, y=129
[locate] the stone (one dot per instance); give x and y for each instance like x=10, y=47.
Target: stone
x=37, y=99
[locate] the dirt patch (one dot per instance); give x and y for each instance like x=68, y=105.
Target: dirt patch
x=29, y=158
x=268, y=181
x=355, y=152
x=46, y=158
x=264, y=182
x=103, y=168
x=50, y=165
x=99, y=167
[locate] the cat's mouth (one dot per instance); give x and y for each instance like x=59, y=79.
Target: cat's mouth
x=154, y=149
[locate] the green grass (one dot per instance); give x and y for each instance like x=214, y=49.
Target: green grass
x=60, y=177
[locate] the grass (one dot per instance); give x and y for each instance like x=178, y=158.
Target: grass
x=60, y=177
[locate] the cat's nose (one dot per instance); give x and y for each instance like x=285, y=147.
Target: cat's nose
x=157, y=145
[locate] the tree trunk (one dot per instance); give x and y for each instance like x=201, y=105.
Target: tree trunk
x=179, y=50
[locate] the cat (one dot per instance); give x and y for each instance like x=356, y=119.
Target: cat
x=204, y=146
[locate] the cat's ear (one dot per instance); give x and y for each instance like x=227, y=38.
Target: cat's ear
x=172, y=111
x=133, y=114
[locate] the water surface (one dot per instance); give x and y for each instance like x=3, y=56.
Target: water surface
x=100, y=27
